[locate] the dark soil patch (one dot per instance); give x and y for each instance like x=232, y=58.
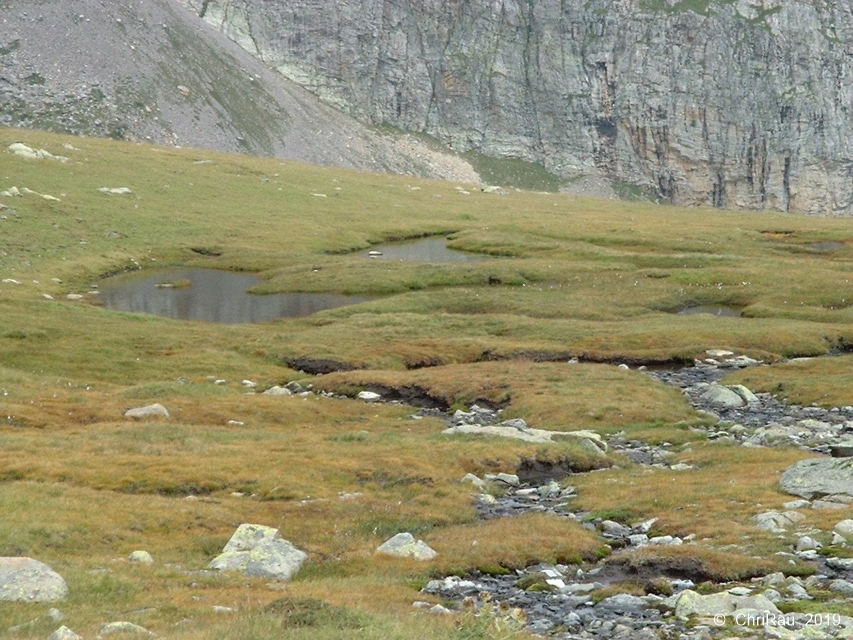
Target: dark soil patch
x=318, y=366
x=535, y=472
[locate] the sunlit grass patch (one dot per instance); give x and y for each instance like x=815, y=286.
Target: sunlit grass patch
x=514, y=543
x=826, y=381
x=554, y=396
x=714, y=502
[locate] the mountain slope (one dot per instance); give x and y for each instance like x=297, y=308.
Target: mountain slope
x=150, y=70
x=730, y=103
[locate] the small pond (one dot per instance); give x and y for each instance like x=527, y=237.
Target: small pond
x=712, y=309
x=432, y=249
x=826, y=246
x=211, y=296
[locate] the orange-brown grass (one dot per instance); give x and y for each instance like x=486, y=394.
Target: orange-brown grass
x=555, y=396
x=825, y=381
x=513, y=543
x=715, y=501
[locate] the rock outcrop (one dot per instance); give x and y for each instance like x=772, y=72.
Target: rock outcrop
x=161, y=75
x=745, y=104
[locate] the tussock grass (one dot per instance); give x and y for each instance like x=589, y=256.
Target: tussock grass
x=566, y=277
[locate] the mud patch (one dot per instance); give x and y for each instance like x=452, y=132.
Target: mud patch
x=535, y=472
x=318, y=366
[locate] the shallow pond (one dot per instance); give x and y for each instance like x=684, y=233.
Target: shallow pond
x=826, y=246
x=211, y=296
x=423, y=250
x=712, y=309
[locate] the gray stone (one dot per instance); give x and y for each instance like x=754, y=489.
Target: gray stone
x=110, y=628
x=748, y=396
x=63, y=633
x=817, y=477
x=807, y=543
x=691, y=603
x=722, y=396
x=614, y=529
x=278, y=391
x=155, y=409
x=844, y=528
x=843, y=564
x=515, y=423
x=404, y=545
x=369, y=396
x=843, y=587
x=55, y=614
x=507, y=478
x=257, y=550
x=777, y=522
x=797, y=504
x=470, y=478
x=622, y=603
x=540, y=436
x=141, y=557
x=798, y=591
x=115, y=190
x=28, y=580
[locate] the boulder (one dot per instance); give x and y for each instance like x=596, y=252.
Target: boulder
x=155, y=409
x=28, y=580
x=63, y=633
x=278, y=391
x=141, y=557
x=722, y=396
x=844, y=528
x=816, y=477
x=369, y=396
x=777, y=522
x=404, y=545
x=691, y=603
x=110, y=628
x=257, y=550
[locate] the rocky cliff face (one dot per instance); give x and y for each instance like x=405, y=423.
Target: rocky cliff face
x=150, y=70
x=730, y=103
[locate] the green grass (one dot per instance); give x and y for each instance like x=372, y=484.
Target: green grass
x=567, y=278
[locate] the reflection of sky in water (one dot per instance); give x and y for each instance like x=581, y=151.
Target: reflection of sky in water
x=426, y=250
x=214, y=296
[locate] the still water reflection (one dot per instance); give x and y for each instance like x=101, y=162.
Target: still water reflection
x=425, y=250
x=213, y=296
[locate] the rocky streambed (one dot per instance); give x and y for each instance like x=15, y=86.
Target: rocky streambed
x=567, y=602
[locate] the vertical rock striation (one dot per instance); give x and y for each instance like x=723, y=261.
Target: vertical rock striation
x=730, y=103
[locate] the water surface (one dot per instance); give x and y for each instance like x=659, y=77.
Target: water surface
x=213, y=296
x=432, y=249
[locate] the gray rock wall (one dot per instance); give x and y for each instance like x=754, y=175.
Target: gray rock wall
x=745, y=103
